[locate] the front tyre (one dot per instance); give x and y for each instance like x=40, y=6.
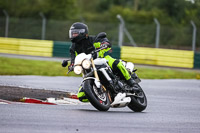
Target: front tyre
x=138, y=101
x=97, y=96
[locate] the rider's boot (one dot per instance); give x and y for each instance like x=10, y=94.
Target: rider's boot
x=132, y=84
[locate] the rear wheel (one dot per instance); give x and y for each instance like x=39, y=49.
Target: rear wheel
x=98, y=97
x=138, y=101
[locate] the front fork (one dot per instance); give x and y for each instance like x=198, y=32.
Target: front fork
x=95, y=70
x=97, y=80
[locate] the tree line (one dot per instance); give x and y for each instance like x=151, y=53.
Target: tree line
x=136, y=13
x=141, y=11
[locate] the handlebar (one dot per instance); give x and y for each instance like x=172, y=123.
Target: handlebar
x=65, y=62
x=98, y=49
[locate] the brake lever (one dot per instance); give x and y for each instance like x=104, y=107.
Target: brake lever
x=69, y=71
x=101, y=48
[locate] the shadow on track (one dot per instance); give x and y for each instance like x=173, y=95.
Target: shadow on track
x=88, y=110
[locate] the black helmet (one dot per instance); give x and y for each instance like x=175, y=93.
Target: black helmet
x=78, y=31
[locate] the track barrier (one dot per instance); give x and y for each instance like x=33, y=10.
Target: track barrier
x=139, y=55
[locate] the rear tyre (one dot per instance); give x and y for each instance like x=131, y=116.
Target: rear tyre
x=97, y=97
x=138, y=102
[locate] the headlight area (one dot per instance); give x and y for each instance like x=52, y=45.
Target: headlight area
x=78, y=70
x=86, y=64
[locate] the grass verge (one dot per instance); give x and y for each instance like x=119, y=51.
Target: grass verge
x=14, y=66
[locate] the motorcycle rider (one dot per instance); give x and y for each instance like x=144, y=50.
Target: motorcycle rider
x=83, y=43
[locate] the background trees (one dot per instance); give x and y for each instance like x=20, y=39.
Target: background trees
x=138, y=14
x=170, y=11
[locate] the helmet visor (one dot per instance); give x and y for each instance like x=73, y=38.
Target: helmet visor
x=75, y=32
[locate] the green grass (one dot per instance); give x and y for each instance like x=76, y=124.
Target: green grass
x=14, y=66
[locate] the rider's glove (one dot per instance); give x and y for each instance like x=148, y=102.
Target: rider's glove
x=71, y=67
x=105, y=45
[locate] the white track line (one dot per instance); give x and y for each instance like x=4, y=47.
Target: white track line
x=4, y=101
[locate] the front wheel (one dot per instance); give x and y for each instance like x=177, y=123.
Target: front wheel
x=138, y=101
x=97, y=96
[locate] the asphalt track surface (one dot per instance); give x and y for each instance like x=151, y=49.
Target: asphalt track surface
x=173, y=107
